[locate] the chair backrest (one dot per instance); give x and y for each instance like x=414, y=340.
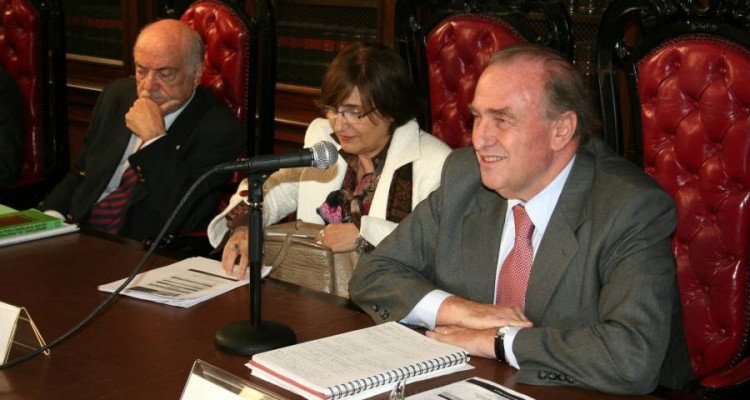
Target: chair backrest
x=240, y=62
x=239, y=50
x=687, y=103
x=230, y=63
x=448, y=46
x=32, y=51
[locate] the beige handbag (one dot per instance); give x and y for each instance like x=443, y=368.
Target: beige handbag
x=290, y=250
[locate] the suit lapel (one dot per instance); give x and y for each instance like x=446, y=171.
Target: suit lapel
x=109, y=157
x=113, y=154
x=184, y=124
x=481, y=243
x=560, y=243
x=179, y=132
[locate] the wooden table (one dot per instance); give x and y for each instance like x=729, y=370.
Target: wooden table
x=142, y=350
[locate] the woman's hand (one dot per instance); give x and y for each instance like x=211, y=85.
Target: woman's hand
x=236, y=247
x=339, y=237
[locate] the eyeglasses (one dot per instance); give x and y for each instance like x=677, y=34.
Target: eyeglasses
x=350, y=115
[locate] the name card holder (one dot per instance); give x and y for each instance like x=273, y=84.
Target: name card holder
x=209, y=382
x=18, y=333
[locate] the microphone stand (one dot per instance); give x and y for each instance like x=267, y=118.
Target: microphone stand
x=253, y=336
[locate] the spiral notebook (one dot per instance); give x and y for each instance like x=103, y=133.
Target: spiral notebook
x=358, y=364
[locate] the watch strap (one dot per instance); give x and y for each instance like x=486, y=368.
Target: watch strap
x=499, y=348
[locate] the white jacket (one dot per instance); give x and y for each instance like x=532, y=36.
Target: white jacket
x=304, y=189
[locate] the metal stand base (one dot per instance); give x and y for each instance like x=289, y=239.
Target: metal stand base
x=243, y=337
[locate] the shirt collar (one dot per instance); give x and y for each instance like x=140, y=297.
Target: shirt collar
x=540, y=207
x=171, y=117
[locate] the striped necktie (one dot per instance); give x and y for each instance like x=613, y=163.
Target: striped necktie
x=106, y=215
x=514, y=275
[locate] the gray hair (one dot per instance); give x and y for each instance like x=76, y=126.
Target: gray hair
x=196, y=51
x=564, y=87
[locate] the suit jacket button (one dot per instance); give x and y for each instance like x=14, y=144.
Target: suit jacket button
x=542, y=375
x=375, y=307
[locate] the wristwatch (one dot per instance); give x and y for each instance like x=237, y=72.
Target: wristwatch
x=499, y=342
x=363, y=246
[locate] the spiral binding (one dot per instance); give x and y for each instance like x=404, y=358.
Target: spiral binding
x=395, y=375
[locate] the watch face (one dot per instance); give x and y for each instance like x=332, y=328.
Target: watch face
x=501, y=331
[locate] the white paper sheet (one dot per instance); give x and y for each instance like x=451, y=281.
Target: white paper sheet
x=182, y=284
x=471, y=389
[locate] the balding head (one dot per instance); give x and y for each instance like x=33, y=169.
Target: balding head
x=168, y=57
x=176, y=36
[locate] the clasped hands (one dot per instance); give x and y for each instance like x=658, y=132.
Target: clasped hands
x=472, y=325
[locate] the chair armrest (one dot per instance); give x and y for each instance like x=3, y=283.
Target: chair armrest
x=736, y=375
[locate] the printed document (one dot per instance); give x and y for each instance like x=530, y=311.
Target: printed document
x=471, y=389
x=182, y=284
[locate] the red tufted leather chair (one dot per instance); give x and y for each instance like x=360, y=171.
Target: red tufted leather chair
x=234, y=53
x=32, y=51
x=447, y=47
x=231, y=41
x=236, y=46
x=230, y=69
x=689, y=124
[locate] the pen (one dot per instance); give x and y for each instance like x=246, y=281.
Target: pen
x=212, y=274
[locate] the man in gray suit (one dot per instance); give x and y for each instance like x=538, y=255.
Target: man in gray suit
x=598, y=306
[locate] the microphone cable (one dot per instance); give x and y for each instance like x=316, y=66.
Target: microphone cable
x=98, y=309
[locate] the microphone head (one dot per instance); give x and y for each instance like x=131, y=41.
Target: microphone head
x=324, y=154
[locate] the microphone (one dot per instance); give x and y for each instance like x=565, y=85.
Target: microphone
x=321, y=155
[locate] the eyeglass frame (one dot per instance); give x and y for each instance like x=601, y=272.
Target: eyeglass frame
x=334, y=113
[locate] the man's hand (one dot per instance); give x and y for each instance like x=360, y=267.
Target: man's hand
x=146, y=118
x=463, y=313
x=480, y=343
x=236, y=247
x=339, y=237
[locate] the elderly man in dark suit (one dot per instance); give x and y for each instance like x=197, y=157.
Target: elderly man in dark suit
x=541, y=247
x=150, y=138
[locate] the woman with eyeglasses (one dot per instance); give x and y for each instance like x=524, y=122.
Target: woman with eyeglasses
x=386, y=164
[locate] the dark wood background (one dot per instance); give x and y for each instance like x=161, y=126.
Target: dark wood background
x=310, y=33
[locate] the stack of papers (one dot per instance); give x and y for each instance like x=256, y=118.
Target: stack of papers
x=471, y=389
x=182, y=284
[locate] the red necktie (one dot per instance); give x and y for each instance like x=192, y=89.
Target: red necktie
x=106, y=215
x=514, y=276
